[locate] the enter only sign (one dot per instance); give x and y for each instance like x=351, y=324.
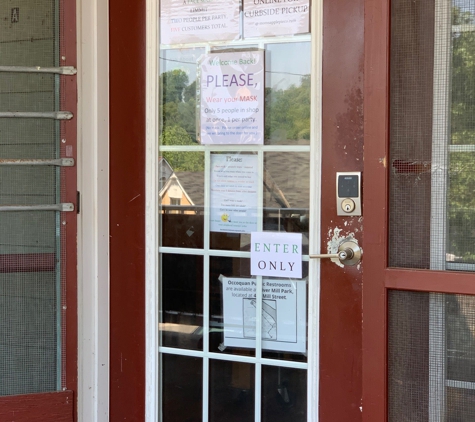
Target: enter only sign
x=276, y=254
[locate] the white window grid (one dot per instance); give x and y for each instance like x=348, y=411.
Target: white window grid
x=207, y=252
x=153, y=387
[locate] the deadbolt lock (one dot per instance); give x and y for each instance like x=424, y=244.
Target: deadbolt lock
x=348, y=205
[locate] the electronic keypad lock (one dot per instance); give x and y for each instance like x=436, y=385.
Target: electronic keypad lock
x=348, y=193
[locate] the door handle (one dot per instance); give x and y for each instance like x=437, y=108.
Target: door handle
x=349, y=253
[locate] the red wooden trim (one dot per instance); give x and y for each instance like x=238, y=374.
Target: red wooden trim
x=430, y=281
x=44, y=407
x=69, y=230
x=375, y=194
x=27, y=262
x=340, y=385
x=127, y=210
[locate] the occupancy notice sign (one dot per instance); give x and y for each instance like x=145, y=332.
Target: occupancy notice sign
x=233, y=198
x=267, y=18
x=284, y=310
x=232, y=98
x=192, y=21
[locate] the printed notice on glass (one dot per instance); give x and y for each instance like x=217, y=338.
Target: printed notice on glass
x=191, y=21
x=276, y=254
x=284, y=310
x=233, y=199
x=232, y=98
x=269, y=18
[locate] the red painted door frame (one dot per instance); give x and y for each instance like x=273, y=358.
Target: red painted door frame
x=342, y=150
x=127, y=210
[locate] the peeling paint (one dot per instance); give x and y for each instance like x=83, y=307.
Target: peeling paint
x=335, y=239
x=383, y=161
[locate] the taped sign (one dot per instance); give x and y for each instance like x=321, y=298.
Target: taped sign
x=276, y=254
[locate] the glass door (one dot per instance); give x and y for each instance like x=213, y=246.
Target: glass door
x=236, y=156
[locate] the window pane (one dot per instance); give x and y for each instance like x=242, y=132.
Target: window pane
x=181, y=308
x=182, y=388
x=287, y=112
x=231, y=391
x=284, y=394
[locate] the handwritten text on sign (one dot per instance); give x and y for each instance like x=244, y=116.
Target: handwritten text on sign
x=264, y=18
x=190, y=21
x=276, y=254
x=232, y=98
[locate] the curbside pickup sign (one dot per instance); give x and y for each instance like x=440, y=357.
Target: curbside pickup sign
x=276, y=254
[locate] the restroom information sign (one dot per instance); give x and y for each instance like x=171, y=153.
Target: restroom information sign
x=276, y=254
x=283, y=317
x=232, y=98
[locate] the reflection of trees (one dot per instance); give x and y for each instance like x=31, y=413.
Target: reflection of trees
x=461, y=194
x=287, y=115
x=287, y=112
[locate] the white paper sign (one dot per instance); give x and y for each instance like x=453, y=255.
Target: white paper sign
x=232, y=98
x=233, y=199
x=284, y=310
x=191, y=21
x=276, y=254
x=281, y=17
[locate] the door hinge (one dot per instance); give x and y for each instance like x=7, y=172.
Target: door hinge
x=78, y=202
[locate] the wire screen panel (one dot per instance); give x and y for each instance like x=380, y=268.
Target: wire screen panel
x=28, y=296
x=408, y=356
x=461, y=182
x=431, y=357
x=432, y=134
x=28, y=33
x=28, y=337
x=411, y=96
x=32, y=243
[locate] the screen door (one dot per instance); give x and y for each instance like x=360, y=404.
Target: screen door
x=36, y=207
x=430, y=307
x=234, y=346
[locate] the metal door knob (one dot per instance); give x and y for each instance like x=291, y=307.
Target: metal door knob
x=349, y=253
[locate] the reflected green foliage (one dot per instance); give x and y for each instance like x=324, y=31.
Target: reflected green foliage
x=462, y=205
x=463, y=81
x=178, y=111
x=288, y=112
x=461, y=194
x=182, y=160
x=178, y=103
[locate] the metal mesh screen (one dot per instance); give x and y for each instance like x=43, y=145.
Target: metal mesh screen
x=411, y=84
x=431, y=358
x=31, y=246
x=432, y=134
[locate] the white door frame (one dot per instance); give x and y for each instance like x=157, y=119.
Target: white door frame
x=93, y=220
x=152, y=203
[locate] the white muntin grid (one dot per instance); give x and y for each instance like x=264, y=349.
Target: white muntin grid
x=207, y=253
x=153, y=381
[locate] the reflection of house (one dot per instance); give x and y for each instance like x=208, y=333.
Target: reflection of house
x=285, y=181
x=171, y=190
x=285, y=198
